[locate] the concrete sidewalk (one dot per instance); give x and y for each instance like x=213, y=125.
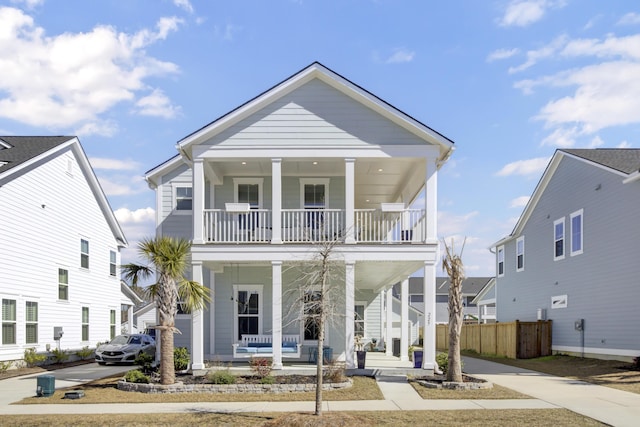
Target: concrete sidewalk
x=604, y=404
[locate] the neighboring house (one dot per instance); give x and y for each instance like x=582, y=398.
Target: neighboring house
x=573, y=254
x=485, y=300
x=130, y=299
x=145, y=318
x=60, y=248
x=471, y=286
x=314, y=158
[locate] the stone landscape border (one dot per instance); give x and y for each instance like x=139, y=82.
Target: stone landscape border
x=228, y=388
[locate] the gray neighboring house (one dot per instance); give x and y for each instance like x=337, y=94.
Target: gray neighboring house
x=573, y=254
x=471, y=286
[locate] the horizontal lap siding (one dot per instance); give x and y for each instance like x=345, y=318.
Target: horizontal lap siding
x=38, y=240
x=315, y=113
x=172, y=223
x=602, y=284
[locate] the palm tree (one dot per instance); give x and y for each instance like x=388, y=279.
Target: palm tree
x=168, y=258
x=452, y=264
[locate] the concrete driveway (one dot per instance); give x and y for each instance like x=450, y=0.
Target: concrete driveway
x=14, y=389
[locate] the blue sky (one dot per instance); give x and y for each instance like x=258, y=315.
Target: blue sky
x=510, y=81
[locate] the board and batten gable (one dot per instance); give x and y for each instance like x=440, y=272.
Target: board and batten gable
x=313, y=114
x=601, y=284
x=46, y=210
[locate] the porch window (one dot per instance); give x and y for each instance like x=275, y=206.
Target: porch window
x=84, y=253
x=576, y=233
x=8, y=321
x=248, y=310
x=558, y=239
x=31, y=322
x=85, y=324
x=500, y=256
x=358, y=327
x=63, y=284
x=520, y=253
x=312, y=313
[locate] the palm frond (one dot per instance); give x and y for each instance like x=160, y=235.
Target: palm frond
x=133, y=273
x=193, y=295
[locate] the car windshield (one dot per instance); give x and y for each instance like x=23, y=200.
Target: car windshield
x=120, y=339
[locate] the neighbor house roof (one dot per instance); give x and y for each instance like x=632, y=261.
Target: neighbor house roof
x=624, y=162
x=470, y=285
x=20, y=153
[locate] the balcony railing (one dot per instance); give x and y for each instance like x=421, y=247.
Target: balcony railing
x=315, y=225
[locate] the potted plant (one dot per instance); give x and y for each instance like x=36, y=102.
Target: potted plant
x=360, y=353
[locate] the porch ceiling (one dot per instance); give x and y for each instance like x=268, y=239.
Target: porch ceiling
x=377, y=180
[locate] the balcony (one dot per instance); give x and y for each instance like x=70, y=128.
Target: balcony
x=371, y=226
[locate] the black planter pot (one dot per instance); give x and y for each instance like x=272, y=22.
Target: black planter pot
x=362, y=356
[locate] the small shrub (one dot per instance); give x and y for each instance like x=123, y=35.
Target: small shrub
x=442, y=359
x=60, y=356
x=180, y=358
x=261, y=366
x=31, y=358
x=145, y=361
x=334, y=371
x=636, y=362
x=221, y=377
x=136, y=376
x=269, y=379
x=4, y=366
x=84, y=353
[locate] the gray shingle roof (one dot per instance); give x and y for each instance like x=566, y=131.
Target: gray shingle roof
x=25, y=148
x=626, y=160
x=470, y=285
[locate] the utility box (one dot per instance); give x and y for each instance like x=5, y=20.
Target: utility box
x=57, y=333
x=579, y=325
x=46, y=385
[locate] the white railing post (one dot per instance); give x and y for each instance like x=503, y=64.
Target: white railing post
x=349, y=200
x=276, y=201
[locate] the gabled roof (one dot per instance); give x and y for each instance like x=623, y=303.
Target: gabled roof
x=19, y=153
x=470, y=285
x=129, y=294
x=318, y=71
x=488, y=287
x=624, y=162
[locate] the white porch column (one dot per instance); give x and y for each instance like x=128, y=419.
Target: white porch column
x=276, y=201
x=404, y=314
x=130, y=319
x=276, y=319
x=198, y=201
x=389, y=321
x=212, y=312
x=349, y=302
x=431, y=200
x=349, y=202
x=429, y=331
x=197, y=325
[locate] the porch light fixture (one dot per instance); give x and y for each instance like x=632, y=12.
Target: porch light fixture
x=315, y=163
x=380, y=170
x=244, y=163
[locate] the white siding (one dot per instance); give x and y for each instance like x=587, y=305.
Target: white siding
x=44, y=214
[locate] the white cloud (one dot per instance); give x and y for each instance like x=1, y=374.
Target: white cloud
x=136, y=225
x=157, y=104
x=533, y=56
x=519, y=202
x=113, y=164
x=502, y=54
x=630, y=18
x=450, y=224
x=184, y=4
x=596, y=142
x=401, y=55
x=126, y=216
x=624, y=144
x=97, y=127
x=228, y=32
x=29, y=4
x=122, y=185
x=561, y=137
x=525, y=167
x=521, y=13
x=70, y=79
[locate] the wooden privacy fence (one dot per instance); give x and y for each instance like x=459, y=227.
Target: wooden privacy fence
x=516, y=340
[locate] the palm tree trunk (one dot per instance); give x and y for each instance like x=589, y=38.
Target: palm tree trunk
x=167, y=309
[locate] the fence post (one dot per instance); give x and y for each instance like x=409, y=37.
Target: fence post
x=517, y=338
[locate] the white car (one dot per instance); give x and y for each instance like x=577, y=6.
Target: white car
x=125, y=348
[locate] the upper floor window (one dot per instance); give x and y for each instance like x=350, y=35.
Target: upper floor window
x=520, y=254
x=314, y=193
x=84, y=253
x=183, y=198
x=500, y=256
x=63, y=284
x=112, y=263
x=248, y=190
x=576, y=233
x=8, y=321
x=558, y=239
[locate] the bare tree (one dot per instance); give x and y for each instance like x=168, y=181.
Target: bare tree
x=316, y=300
x=452, y=264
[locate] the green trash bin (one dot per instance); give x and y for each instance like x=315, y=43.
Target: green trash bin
x=46, y=385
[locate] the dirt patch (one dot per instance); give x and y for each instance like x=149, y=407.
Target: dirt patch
x=440, y=382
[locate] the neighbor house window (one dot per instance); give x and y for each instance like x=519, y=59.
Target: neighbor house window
x=413, y=298
x=112, y=323
x=358, y=327
x=576, y=233
x=8, y=321
x=248, y=310
x=184, y=198
x=63, y=284
x=500, y=256
x=31, y=322
x=85, y=323
x=112, y=263
x=520, y=254
x=84, y=253
x=558, y=239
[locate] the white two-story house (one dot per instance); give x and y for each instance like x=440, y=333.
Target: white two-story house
x=314, y=158
x=60, y=252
